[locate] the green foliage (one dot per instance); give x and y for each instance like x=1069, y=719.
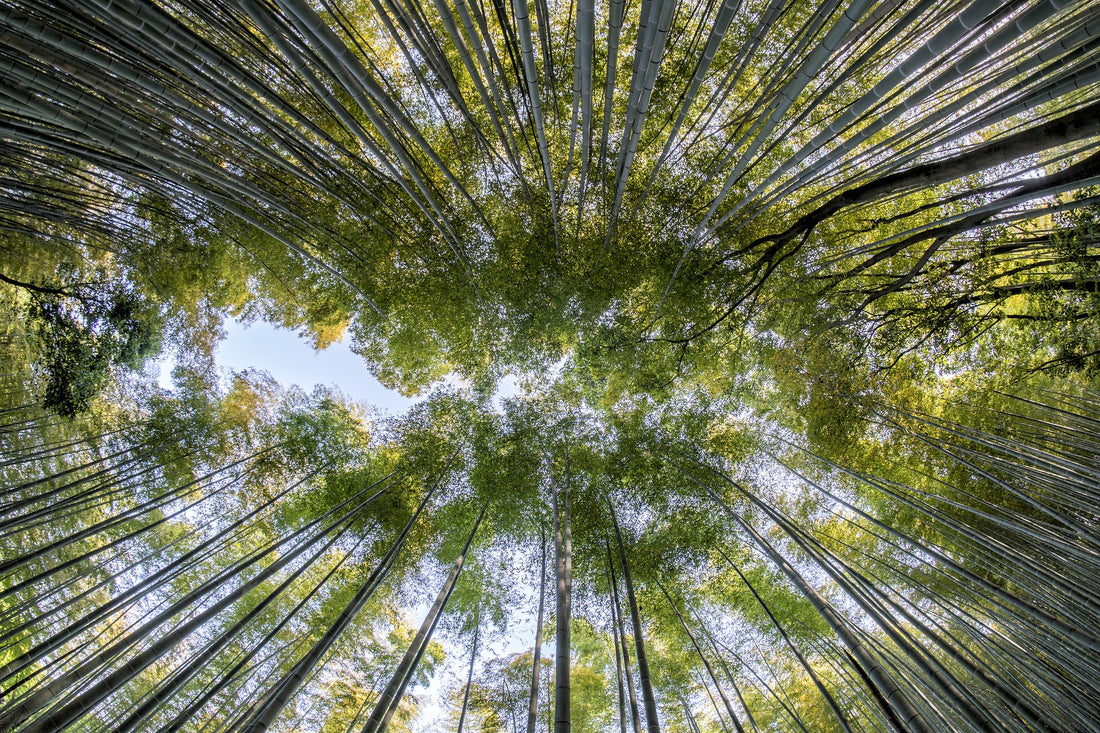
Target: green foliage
x=84, y=332
x=772, y=320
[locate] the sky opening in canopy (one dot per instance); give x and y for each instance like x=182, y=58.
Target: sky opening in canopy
x=759, y=339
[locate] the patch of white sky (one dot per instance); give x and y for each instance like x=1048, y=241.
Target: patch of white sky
x=290, y=359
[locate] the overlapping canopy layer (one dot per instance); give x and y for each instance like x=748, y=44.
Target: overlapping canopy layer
x=803, y=295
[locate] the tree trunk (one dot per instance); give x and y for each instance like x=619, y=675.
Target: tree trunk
x=180, y=677
x=1077, y=125
x=652, y=724
x=729, y=676
x=563, y=547
x=932, y=669
x=147, y=585
x=706, y=662
x=470, y=674
x=280, y=694
x=617, y=613
x=185, y=716
x=887, y=688
x=65, y=713
x=689, y=716
x=39, y=698
x=532, y=707
x=390, y=698
x=837, y=712
x=615, y=645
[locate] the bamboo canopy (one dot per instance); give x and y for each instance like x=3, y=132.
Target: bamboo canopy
x=636, y=189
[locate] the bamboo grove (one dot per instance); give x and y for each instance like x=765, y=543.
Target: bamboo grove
x=802, y=299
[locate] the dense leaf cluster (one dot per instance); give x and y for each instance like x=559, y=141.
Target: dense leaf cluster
x=801, y=299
